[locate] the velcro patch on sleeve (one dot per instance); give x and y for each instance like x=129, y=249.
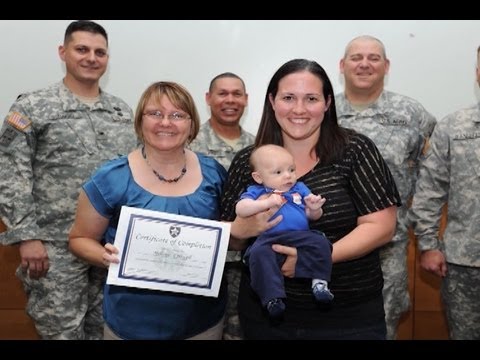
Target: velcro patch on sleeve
x=7, y=136
x=18, y=121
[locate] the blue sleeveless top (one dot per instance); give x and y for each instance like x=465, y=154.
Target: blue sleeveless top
x=134, y=313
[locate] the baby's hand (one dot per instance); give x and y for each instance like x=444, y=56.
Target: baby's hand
x=276, y=199
x=314, y=202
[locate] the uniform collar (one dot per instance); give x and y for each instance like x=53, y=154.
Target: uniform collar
x=71, y=103
x=377, y=107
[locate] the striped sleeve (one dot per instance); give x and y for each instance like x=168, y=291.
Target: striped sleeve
x=371, y=182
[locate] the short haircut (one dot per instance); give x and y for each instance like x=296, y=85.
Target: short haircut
x=84, y=25
x=225, y=75
x=366, y=37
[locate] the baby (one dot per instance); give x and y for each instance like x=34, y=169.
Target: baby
x=273, y=169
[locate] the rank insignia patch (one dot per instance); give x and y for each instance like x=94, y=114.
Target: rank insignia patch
x=18, y=121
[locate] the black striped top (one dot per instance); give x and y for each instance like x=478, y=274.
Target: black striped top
x=358, y=184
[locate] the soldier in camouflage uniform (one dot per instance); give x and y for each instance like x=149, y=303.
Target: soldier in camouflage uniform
x=399, y=126
x=50, y=143
x=450, y=172
x=221, y=137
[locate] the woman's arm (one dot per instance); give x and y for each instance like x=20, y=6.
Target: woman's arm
x=243, y=228
x=86, y=233
x=372, y=231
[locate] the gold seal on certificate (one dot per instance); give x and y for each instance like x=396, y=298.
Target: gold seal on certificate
x=169, y=252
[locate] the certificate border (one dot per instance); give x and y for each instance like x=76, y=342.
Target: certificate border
x=128, y=239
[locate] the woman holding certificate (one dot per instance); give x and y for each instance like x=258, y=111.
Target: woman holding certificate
x=162, y=175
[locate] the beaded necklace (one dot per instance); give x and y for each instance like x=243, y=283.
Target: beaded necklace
x=160, y=177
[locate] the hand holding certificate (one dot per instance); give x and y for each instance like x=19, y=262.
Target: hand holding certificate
x=169, y=252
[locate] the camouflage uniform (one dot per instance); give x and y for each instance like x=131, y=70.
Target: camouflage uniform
x=450, y=172
x=209, y=143
x=399, y=126
x=50, y=143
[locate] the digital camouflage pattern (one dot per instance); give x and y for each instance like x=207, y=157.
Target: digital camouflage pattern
x=71, y=288
x=50, y=143
x=209, y=143
x=44, y=166
x=460, y=289
x=232, y=329
x=450, y=172
x=399, y=126
x=395, y=284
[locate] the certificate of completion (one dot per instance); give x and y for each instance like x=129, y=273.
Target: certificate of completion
x=169, y=252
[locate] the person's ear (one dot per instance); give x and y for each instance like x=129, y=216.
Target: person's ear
x=208, y=98
x=272, y=101
x=342, y=66
x=61, y=52
x=327, y=105
x=256, y=176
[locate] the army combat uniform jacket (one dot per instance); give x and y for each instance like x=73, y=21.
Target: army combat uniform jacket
x=209, y=143
x=50, y=143
x=399, y=126
x=450, y=173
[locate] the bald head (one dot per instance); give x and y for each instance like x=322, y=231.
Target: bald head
x=365, y=38
x=273, y=166
x=265, y=154
x=364, y=67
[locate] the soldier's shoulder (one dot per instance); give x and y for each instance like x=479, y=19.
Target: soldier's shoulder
x=119, y=105
x=33, y=95
x=394, y=96
x=114, y=99
x=462, y=114
x=406, y=104
x=204, y=127
x=248, y=136
x=468, y=110
x=203, y=133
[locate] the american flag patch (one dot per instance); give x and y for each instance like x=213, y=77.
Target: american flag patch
x=18, y=121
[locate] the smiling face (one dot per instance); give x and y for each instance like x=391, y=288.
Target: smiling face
x=86, y=57
x=162, y=132
x=227, y=100
x=299, y=105
x=364, y=65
